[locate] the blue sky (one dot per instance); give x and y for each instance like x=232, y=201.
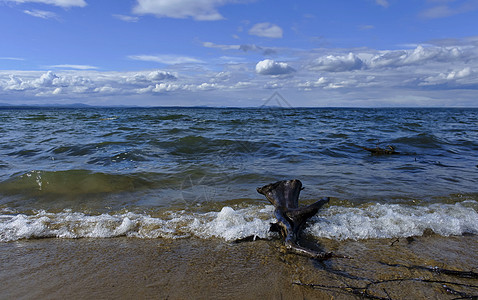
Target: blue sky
x=239, y=52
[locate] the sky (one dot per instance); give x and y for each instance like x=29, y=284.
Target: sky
x=244, y=53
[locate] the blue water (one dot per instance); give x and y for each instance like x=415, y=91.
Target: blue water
x=104, y=172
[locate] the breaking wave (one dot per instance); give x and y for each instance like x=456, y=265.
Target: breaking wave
x=335, y=222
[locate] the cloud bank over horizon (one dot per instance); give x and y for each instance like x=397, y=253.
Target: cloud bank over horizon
x=366, y=77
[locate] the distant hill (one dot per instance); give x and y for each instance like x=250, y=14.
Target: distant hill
x=73, y=105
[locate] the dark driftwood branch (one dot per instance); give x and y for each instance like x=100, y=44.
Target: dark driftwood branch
x=284, y=195
x=364, y=291
x=379, y=151
x=437, y=270
x=369, y=289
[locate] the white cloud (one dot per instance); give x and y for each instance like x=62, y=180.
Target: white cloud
x=126, y=18
x=459, y=74
x=366, y=27
x=266, y=30
x=243, y=47
x=447, y=10
x=76, y=67
x=383, y=3
x=13, y=84
x=321, y=82
x=219, y=46
x=388, y=59
x=107, y=89
x=242, y=85
x=82, y=82
x=207, y=86
x=166, y=59
x=41, y=14
x=60, y=3
x=12, y=58
x=270, y=67
x=166, y=87
x=142, y=78
x=221, y=77
x=201, y=10
x=448, y=77
x=419, y=55
x=334, y=63
x=350, y=76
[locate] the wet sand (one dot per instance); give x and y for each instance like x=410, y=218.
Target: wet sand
x=126, y=268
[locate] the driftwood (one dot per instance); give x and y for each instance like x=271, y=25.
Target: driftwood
x=380, y=151
x=370, y=291
x=284, y=195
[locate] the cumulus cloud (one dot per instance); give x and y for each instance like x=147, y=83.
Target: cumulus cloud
x=423, y=69
x=207, y=86
x=148, y=77
x=266, y=30
x=60, y=3
x=270, y=67
x=419, y=55
x=459, y=74
x=82, y=82
x=200, y=10
x=166, y=59
x=448, y=77
x=309, y=84
x=16, y=83
x=387, y=59
x=162, y=88
x=45, y=80
x=93, y=83
x=427, y=72
x=334, y=63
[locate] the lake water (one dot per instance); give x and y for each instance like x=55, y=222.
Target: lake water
x=192, y=172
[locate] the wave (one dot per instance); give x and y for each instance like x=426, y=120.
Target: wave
x=70, y=182
x=422, y=140
x=173, y=117
x=57, y=186
x=197, y=144
x=335, y=222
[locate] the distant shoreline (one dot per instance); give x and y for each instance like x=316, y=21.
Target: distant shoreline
x=86, y=106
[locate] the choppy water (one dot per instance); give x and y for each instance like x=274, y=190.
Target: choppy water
x=179, y=172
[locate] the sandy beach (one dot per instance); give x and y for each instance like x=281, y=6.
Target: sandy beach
x=125, y=268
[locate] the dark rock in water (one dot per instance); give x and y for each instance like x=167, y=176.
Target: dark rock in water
x=428, y=232
x=380, y=151
x=284, y=195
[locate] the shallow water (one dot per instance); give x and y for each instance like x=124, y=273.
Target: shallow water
x=182, y=172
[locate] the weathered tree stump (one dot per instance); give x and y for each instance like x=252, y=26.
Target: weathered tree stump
x=284, y=195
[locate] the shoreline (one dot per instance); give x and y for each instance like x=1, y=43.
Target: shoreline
x=213, y=269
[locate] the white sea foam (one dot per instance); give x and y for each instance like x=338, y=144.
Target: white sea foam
x=335, y=222
x=394, y=220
